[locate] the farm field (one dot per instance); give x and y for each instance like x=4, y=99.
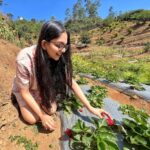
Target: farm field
x=127, y=70
x=13, y=129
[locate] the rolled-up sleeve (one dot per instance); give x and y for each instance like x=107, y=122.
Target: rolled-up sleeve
x=22, y=75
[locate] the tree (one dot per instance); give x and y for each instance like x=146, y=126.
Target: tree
x=10, y=16
x=111, y=13
x=52, y=18
x=92, y=8
x=1, y=2
x=67, y=15
x=33, y=20
x=78, y=11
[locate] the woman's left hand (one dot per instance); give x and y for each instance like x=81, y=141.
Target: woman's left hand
x=98, y=111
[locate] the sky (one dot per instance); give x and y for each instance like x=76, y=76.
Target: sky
x=44, y=9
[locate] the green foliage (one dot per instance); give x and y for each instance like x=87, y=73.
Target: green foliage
x=112, y=75
x=84, y=24
x=100, y=41
x=6, y=32
x=78, y=11
x=136, y=129
x=133, y=73
x=144, y=77
x=1, y=2
x=115, y=35
x=107, y=22
x=67, y=14
x=130, y=77
x=147, y=47
x=70, y=104
x=82, y=80
x=96, y=96
x=79, y=65
x=129, y=30
x=20, y=32
x=133, y=80
x=99, y=137
x=92, y=8
x=85, y=38
x=21, y=140
x=139, y=15
x=27, y=30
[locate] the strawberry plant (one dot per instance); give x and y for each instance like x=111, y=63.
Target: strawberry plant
x=99, y=137
x=132, y=79
x=96, y=96
x=82, y=80
x=136, y=130
x=112, y=75
x=70, y=104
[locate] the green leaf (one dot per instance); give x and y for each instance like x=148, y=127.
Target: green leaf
x=107, y=136
x=125, y=148
x=111, y=145
x=77, y=137
x=138, y=140
x=86, y=140
x=101, y=145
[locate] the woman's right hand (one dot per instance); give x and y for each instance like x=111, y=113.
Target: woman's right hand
x=48, y=122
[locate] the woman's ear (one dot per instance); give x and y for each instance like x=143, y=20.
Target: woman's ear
x=44, y=44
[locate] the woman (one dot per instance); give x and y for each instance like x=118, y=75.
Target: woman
x=43, y=74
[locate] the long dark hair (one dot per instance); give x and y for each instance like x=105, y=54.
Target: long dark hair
x=53, y=77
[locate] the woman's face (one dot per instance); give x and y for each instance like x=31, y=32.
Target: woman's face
x=56, y=47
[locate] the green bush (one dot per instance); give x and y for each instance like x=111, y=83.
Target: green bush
x=130, y=78
x=129, y=31
x=6, y=32
x=85, y=38
x=100, y=41
x=147, y=47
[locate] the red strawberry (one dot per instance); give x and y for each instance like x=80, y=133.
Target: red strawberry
x=68, y=132
x=81, y=110
x=110, y=121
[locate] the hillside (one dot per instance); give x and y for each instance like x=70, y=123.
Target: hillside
x=131, y=35
x=7, y=66
x=127, y=34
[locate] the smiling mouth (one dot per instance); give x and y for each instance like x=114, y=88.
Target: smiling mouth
x=58, y=54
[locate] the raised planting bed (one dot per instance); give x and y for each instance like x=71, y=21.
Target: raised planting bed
x=81, y=130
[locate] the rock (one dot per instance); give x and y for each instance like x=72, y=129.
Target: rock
x=81, y=45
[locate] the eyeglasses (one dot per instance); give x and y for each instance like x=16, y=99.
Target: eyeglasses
x=61, y=46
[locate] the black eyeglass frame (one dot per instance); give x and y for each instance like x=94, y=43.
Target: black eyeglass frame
x=60, y=45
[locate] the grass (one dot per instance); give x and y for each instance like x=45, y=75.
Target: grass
x=26, y=143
